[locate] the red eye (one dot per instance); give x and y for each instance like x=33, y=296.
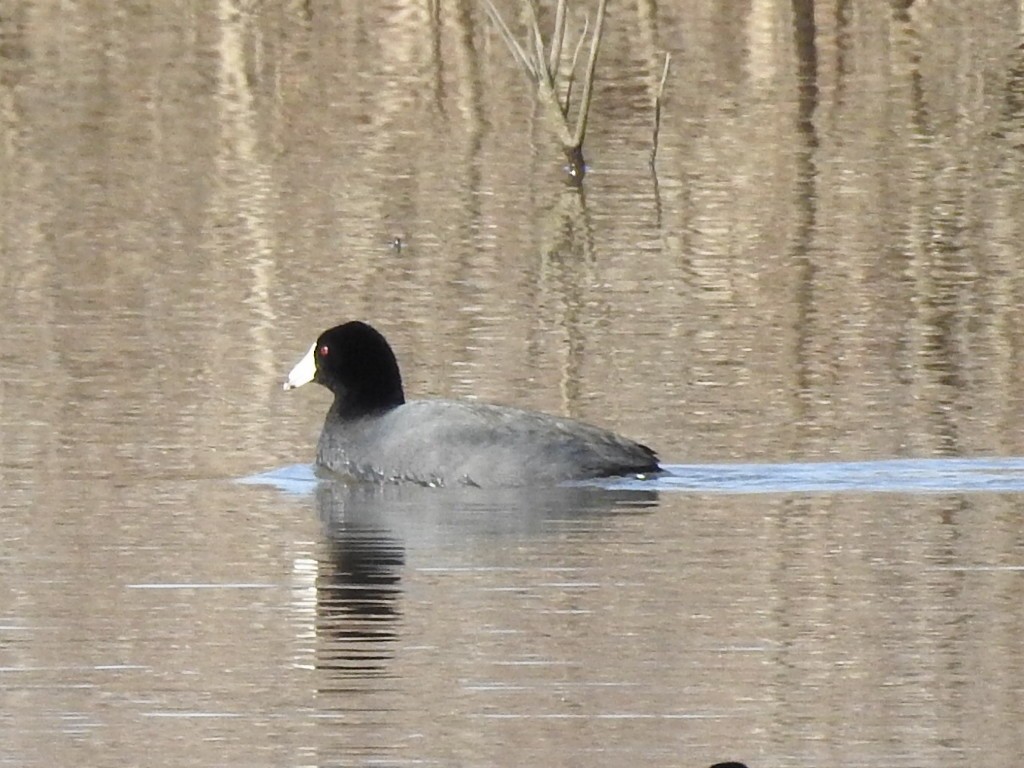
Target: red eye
x=324, y=350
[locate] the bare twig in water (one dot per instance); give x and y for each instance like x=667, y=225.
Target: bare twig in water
x=543, y=68
x=657, y=108
x=588, y=83
x=510, y=41
x=557, y=37
x=570, y=80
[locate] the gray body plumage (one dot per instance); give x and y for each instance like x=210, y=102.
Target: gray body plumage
x=450, y=442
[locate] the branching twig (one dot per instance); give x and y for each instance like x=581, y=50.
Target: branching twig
x=544, y=68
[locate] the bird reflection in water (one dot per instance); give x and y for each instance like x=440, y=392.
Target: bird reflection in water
x=358, y=589
x=367, y=530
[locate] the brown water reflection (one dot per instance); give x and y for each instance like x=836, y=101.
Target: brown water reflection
x=824, y=264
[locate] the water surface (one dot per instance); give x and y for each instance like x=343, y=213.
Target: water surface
x=810, y=306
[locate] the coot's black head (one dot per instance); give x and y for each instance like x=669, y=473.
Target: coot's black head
x=356, y=363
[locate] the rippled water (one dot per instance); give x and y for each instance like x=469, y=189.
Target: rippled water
x=811, y=306
x=884, y=476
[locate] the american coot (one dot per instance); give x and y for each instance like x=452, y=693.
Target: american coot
x=372, y=433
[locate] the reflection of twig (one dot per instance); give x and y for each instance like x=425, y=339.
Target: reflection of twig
x=657, y=108
x=543, y=68
x=567, y=263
